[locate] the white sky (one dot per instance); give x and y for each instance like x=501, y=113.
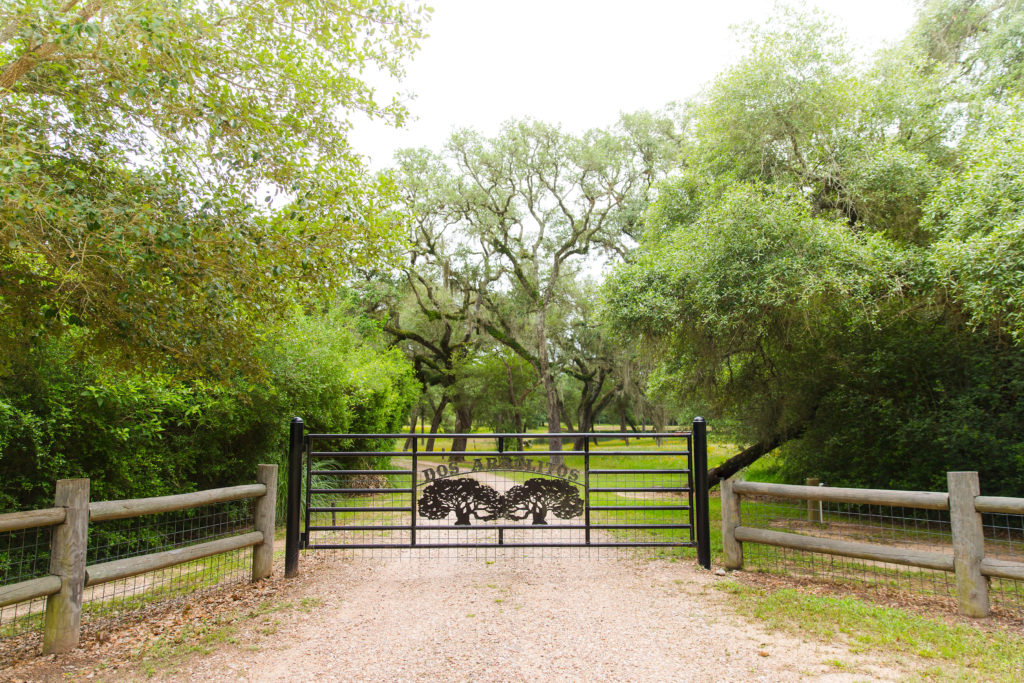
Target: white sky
x=581, y=62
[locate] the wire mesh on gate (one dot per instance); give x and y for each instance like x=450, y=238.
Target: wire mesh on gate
x=504, y=495
x=893, y=526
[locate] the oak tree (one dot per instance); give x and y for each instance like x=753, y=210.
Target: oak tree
x=176, y=175
x=537, y=497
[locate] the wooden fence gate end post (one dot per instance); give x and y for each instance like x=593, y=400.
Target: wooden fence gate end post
x=968, y=544
x=732, y=547
x=67, y=560
x=266, y=507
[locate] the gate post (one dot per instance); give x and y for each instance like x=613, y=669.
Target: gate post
x=700, y=492
x=291, y=544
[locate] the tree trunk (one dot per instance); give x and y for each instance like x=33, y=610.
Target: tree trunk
x=568, y=427
x=554, y=414
x=412, y=427
x=584, y=418
x=750, y=455
x=463, y=424
x=517, y=407
x=462, y=518
x=538, y=517
x=436, y=422
x=658, y=425
x=622, y=421
x=550, y=387
x=586, y=424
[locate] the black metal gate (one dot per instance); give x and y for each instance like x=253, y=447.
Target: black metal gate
x=344, y=492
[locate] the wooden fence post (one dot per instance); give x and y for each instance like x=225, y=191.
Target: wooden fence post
x=813, y=506
x=730, y=520
x=266, y=505
x=67, y=561
x=968, y=544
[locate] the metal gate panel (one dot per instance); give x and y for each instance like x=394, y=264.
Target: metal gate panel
x=596, y=497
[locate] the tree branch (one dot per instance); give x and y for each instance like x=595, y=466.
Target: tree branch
x=26, y=62
x=750, y=455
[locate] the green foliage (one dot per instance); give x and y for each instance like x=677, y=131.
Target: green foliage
x=981, y=40
x=503, y=387
x=977, y=215
x=841, y=263
x=175, y=174
x=924, y=399
x=765, y=288
x=138, y=433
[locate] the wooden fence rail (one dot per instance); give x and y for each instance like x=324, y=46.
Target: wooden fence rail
x=967, y=556
x=70, y=518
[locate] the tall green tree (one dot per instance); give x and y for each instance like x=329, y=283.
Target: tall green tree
x=838, y=267
x=526, y=207
x=176, y=174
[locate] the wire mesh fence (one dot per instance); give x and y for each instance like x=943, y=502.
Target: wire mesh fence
x=25, y=555
x=507, y=497
x=124, y=538
x=1004, y=540
x=892, y=526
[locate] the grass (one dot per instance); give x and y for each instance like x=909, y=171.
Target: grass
x=940, y=650
x=165, y=651
x=767, y=469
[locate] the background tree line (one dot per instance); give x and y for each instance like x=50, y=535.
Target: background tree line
x=496, y=304
x=824, y=253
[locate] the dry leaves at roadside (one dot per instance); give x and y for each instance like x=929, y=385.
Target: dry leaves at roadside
x=120, y=637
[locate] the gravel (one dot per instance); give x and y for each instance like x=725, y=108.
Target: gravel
x=409, y=619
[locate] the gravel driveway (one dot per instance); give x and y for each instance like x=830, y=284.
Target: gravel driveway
x=408, y=619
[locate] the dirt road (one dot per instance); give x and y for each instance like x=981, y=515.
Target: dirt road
x=405, y=619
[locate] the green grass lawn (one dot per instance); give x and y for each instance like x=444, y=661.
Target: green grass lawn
x=940, y=649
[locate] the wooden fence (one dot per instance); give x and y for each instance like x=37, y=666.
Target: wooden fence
x=963, y=502
x=70, y=516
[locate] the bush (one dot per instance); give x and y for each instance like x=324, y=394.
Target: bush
x=138, y=433
x=925, y=401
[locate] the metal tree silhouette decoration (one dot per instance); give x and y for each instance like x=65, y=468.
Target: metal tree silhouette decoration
x=538, y=497
x=464, y=497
